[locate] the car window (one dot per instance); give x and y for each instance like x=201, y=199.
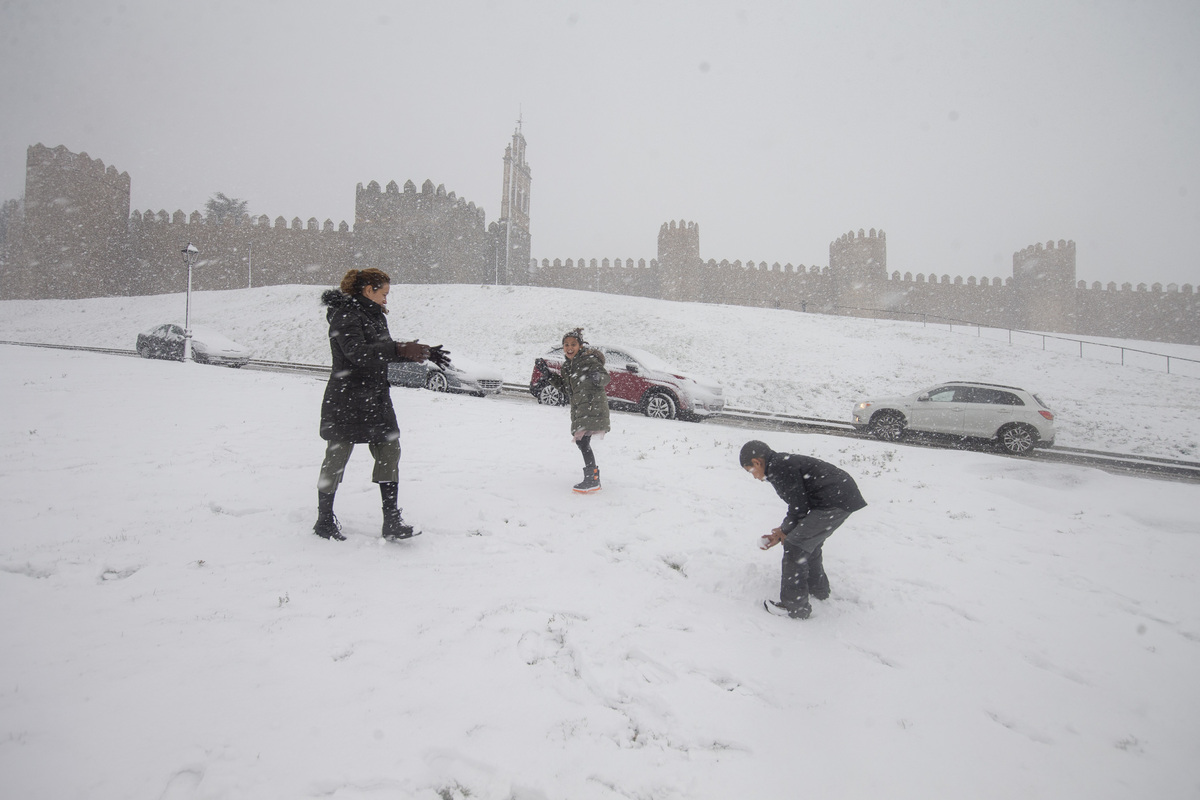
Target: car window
x=969, y=394
x=650, y=361
x=995, y=397
x=616, y=357
x=944, y=394
x=981, y=394
x=1006, y=399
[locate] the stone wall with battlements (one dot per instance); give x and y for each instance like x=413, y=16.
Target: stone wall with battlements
x=73, y=235
x=1041, y=294
x=235, y=255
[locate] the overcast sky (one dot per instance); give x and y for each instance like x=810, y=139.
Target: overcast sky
x=965, y=130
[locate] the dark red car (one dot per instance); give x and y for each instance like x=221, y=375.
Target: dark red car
x=641, y=382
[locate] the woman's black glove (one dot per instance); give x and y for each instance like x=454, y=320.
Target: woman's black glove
x=412, y=351
x=596, y=378
x=439, y=356
x=541, y=364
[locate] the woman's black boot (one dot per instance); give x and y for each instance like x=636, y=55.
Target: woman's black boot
x=327, y=526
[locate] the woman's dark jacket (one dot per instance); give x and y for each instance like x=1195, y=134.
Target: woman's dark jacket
x=582, y=379
x=358, y=404
x=805, y=483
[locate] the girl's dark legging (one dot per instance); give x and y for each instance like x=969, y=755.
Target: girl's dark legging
x=585, y=447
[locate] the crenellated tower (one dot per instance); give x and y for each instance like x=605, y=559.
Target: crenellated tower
x=430, y=236
x=858, y=268
x=1044, y=287
x=514, y=241
x=76, y=212
x=678, y=260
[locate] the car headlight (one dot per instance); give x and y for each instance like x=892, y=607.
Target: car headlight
x=863, y=405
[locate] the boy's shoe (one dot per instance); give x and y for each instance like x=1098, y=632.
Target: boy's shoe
x=394, y=527
x=327, y=527
x=590, y=482
x=780, y=610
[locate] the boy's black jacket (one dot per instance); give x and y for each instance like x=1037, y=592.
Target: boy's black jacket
x=805, y=483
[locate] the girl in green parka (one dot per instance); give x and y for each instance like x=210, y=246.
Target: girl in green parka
x=582, y=381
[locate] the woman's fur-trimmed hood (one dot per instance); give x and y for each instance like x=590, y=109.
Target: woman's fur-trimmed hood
x=335, y=298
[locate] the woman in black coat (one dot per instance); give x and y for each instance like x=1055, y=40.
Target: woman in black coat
x=357, y=408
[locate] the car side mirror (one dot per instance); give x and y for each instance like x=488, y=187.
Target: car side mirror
x=631, y=368
x=923, y=398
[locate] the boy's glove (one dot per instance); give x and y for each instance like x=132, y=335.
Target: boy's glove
x=412, y=351
x=439, y=356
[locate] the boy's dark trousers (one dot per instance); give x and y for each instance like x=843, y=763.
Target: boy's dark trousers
x=803, y=567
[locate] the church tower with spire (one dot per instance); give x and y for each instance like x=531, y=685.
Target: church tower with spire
x=514, y=242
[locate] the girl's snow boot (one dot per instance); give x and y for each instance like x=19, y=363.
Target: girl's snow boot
x=590, y=482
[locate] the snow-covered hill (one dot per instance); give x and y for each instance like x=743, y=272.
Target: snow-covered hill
x=998, y=627
x=767, y=359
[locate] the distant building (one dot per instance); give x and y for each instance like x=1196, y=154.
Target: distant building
x=73, y=235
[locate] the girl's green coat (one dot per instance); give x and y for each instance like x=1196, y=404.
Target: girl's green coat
x=589, y=404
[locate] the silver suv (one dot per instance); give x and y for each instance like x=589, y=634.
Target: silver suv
x=1015, y=419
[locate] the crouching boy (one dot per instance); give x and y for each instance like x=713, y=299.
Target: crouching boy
x=819, y=497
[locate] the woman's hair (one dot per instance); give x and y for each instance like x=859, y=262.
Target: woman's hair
x=358, y=279
x=576, y=334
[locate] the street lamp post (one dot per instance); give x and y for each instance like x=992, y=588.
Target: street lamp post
x=189, y=258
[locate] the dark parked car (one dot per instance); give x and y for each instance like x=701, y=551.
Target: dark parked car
x=642, y=382
x=208, y=347
x=461, y=375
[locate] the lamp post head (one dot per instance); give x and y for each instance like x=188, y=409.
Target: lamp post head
x=189, y=252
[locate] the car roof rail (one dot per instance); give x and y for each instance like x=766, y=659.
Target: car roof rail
x=991, y=385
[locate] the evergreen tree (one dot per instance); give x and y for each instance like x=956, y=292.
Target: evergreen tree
x=221, y=209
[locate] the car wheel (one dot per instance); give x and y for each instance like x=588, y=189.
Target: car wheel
x=888, y=426
x=660, y=405
x=436, y=381
x=1017, y=440
x=549, y=395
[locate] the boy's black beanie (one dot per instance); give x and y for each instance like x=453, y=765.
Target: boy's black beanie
x=754, y=449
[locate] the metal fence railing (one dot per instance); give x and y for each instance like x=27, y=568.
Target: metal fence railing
x=1122, y=354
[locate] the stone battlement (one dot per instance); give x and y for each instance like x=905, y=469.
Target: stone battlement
x=75, y=236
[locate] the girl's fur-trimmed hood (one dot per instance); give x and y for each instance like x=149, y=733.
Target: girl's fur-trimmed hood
x=593, y=352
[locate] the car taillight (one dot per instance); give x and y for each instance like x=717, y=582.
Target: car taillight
x=1048, y=415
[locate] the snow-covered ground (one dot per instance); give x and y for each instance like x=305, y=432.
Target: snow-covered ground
x=998, y=627
x=767, y=359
